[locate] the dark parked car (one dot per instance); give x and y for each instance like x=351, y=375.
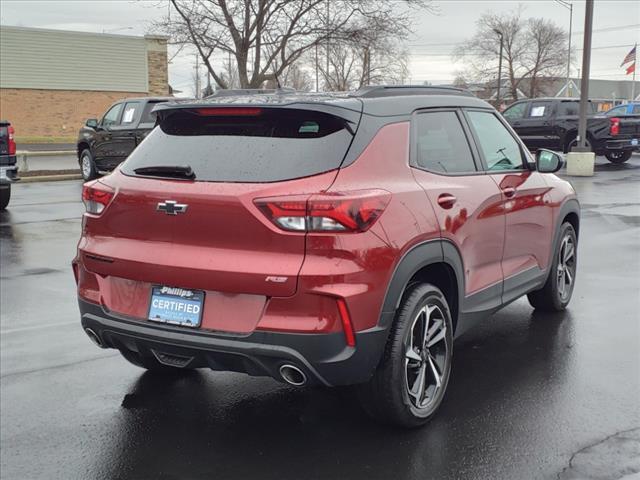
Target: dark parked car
x=323, y=239
x=8, y=168
x=553, y=123
x=105, y=144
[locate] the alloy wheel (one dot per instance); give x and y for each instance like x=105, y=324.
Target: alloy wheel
x=86, y=166
x=426, y=356
x=566, y=269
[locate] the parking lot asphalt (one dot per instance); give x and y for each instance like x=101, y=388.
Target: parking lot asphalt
x=531, y=395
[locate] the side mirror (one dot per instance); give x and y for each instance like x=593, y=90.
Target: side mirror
x=92, y=122
x=548, y=161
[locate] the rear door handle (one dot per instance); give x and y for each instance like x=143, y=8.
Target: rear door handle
x=509, y=192
x=446, y=200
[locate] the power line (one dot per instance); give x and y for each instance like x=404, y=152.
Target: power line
x=443, y=54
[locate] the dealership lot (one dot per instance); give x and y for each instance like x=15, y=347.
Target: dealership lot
x=530, y=391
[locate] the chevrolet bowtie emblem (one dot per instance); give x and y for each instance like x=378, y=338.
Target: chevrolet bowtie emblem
x=171, y=207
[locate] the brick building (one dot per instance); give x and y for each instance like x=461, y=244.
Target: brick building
x=51, y=81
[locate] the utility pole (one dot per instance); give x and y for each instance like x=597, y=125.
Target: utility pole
x=633, y=82
x=197, y=76
x=328, y=40
x=499, y=67
x=569, y=5
x=584, y=83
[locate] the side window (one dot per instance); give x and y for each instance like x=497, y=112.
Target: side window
x=112, y=117
x=568, y=108
x=441, y=144
x=636, y=109
x=501, y=151
x=515, y=112
x=130, y=113
x=539, y=109
x=148, y=118
x=621, y=110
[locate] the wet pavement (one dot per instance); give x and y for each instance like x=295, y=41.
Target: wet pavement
x=531, y=395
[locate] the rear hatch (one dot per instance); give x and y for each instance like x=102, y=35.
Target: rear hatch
x=213, y=237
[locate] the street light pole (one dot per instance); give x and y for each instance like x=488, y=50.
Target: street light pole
x=568, y=5
x=569, y=51
x=499, y=67
x=584, y=83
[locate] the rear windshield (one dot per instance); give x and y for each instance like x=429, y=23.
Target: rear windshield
x=268, y=145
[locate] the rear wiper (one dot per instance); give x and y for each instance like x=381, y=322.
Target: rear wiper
x=172, y=171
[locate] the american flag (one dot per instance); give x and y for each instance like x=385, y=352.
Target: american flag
x=631, y=57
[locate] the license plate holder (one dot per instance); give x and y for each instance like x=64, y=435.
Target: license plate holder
x=176, y=306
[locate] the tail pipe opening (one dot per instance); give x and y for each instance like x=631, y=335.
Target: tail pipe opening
x=293, y=375
x=94, y=337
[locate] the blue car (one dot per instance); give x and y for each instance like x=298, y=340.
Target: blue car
x=631, y=108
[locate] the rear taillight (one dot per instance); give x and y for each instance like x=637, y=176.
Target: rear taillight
x=347, y=212
x=12, y=141
x=96, y=196
x=614, y=127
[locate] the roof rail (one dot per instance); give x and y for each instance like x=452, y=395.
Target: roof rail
x=397, y=90
x=252, y=91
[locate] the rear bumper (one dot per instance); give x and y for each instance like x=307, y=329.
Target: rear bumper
x=8, y=169
x=324, y=358
x=622, y=144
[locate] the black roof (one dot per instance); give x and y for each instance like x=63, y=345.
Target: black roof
x=373, y=100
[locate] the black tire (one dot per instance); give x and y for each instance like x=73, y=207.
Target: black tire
x=151, y=363
x=556, y=293
x=619, y=156
x=386, y=397
x=5, y=196
x=88, y=167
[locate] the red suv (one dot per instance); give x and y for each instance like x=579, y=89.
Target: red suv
x=323, y=239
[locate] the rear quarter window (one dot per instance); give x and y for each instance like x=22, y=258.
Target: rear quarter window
x=272, y=145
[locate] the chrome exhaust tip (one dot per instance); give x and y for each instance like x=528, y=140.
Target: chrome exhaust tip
x=293, y=375
x=94, y=337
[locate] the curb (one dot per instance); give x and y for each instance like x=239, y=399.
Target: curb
x=51, y=178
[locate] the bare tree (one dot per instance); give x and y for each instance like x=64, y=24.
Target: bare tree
x=265, y=37
x=296, y=77
x=460, y=80
x=548, y=55
x=532, y=49
x=373, y=55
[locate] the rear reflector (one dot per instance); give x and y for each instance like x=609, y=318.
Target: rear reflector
x=228, y=111
x=347, y=326
x=12, y=140
x=614, y=127
x=96, y=196
x=347, y=212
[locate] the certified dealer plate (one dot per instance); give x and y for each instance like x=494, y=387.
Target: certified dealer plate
x=177, y=306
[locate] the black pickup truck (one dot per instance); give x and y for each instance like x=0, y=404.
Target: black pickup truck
x=553, y=123
x=104, y=144
x=8, y=168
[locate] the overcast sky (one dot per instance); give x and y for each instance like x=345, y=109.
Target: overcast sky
x=616, y=28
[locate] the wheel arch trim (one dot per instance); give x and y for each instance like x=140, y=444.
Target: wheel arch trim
x=424, y=254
